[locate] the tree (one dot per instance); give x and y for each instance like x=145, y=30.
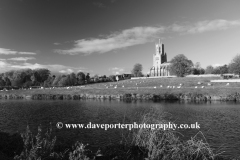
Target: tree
x=216, y=70
x=2, y=82
x=7, y=81
x=181, y=66
x=17, y=78
x=35, y=78
x=223, y=69
x=65, y=81
x=202, y=71
x=137, y=70
x=197, y=65
x=195, y=71
x=209, y=69
x=9, y=76
x=26, y=75
x=48, y=82
x=42, y=74
x=96, y=78
x=27, y=84
x=81, y=78
x=73, y=79
x=69, y=83
x=234, y=66
x=112, y=78
x=88, y=77
x=104, y=78
x=56, y=80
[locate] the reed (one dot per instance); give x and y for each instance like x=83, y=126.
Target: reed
x=166, y=145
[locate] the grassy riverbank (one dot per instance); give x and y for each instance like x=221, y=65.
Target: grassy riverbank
x=193, y=85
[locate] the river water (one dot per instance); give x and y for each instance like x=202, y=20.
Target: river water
x=219, y=121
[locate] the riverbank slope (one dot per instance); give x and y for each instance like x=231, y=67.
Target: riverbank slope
x=186, y=88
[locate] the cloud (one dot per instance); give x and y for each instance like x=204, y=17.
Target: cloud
x=66, y=71
x=30, y=53
x=56, y=43
x=116, y=70
x=7, y=51
x=21, y=58
x=205, y=26
x=3, y=64
x=12, y=52
x=126, y=38
x=217, y=65
x=6, y=66
x=142, y=35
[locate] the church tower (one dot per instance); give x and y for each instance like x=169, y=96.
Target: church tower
x=158, y=56
x=160, y=64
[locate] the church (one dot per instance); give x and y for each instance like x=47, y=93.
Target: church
x=160, y=65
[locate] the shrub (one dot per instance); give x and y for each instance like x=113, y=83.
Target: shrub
x=165, y=145
x=79, y=152
x=37, y=147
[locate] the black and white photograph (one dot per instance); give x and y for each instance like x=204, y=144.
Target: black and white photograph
x=119, y=79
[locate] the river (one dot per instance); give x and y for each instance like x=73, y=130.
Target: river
x=219, y=121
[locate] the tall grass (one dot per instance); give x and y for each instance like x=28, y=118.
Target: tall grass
x=165, y=144
x=37, y=147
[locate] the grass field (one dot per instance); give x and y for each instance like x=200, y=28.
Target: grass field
x=143, y=86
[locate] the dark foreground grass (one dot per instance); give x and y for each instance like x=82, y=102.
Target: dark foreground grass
x=143, y=86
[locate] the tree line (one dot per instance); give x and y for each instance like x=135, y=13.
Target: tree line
x=42, y=77
x=182, y=66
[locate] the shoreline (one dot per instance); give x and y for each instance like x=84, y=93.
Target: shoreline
x=126, y=96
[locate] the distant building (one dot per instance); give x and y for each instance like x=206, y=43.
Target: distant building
x=127, y=76
x=228, y=76
x=160, y=64
x=124, y=76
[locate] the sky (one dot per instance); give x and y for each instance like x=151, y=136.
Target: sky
x=107, y=37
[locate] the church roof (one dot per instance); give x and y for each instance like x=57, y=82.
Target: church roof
x=166, y=63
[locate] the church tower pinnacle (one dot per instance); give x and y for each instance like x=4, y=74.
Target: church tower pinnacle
x=160, y=65
x=157, y=55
